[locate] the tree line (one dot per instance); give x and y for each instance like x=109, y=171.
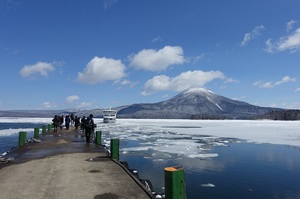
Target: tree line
x=282, y=115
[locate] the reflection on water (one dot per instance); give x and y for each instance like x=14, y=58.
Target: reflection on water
x=215, y=167
x=241, y=170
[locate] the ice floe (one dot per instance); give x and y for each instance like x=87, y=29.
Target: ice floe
x=185, y=138
x=208, y=185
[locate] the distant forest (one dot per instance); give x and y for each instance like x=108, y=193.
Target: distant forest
x=208, y=117
x=274, y=115
x=281, y=115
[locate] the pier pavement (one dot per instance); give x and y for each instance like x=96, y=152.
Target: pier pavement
x=63, y=166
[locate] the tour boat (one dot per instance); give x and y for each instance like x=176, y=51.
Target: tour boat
x=109, y=116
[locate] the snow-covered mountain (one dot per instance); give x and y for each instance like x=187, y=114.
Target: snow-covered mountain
x=197, y=103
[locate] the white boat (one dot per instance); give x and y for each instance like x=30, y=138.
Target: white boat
x=109, y=116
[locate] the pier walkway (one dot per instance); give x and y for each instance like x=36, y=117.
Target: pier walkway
x=64, y=166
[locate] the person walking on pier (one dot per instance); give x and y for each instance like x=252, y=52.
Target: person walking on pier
x=61, y=121
x=77, y=122
x=67, y=122
x=55, y=121
x=89, y=127
x=82, y=122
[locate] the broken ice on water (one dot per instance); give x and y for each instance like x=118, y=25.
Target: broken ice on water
x=165, y=143
x=179, y=138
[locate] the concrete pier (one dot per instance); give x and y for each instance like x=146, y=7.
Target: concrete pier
x=63, y=166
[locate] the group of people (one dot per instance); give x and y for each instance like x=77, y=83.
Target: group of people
x=57, y=122
x=86, y=124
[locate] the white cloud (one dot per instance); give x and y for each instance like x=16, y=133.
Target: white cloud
x=290, y=42
x=230, y=80
x=195, y=59
x=42, y=68
x=9, y=50
x=297, y=90
x=125, y=82
x=14, y=2
x=109, y=3
x=287, y=105
x=239, y=98
x=181, y=82
x=290, y=25
x=269, y=46
x=285, y=79
x=99, y=70
x=156, y=39
x=48, y=105
x=129, y=83
x=70, y=99
x=83, y=105
x=252, y=35
x=157, y=60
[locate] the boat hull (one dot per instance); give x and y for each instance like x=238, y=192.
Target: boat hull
x=109, y=120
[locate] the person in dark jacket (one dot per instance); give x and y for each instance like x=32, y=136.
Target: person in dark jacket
x=55, y=121
x=67, y=122
x=61, y=122
x=82, y=122
x=89, y=127
x=77, y=122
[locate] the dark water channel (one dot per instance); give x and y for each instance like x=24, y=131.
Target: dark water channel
x=241, y=170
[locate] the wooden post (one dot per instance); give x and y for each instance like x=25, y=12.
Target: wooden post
x=175, y=183
x=36, y=132
x=49, y=127
x=98, y=137
x=44, y=129
x=22, y=138
x=114, y=148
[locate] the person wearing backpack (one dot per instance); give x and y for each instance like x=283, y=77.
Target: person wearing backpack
x=89, y=127
x=82, y=124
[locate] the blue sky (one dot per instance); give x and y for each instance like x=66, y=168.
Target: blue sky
x=90, y=54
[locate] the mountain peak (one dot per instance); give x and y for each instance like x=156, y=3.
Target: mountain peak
x=195, y=103
x=197, y=90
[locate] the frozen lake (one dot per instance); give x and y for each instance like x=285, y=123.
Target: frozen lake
x=221, y=159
